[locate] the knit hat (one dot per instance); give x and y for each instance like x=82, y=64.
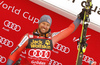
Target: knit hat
x=45, y=18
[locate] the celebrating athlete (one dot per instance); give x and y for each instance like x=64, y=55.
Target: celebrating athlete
x=41, y=41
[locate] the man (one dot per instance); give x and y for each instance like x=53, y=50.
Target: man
x=40, y=43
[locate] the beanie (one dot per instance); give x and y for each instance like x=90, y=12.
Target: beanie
x=45, y=18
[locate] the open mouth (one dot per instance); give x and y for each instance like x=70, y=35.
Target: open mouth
x=44, y=29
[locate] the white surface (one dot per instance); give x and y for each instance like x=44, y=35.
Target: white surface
x=63, y=13
x=76, y=7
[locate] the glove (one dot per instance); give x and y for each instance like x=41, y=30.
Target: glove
x=81, y=14
x=18, y=61
x=9, y=62
x=92, y=63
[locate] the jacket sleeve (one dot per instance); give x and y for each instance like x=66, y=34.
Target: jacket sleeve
x=65, y=32
x=23, y=43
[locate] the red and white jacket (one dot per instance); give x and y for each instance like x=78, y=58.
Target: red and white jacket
x=39, y=48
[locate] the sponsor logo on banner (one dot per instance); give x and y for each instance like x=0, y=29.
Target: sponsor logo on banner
x=27, y=15
x=77, y=39
x=12, y=9
x=87, y=59
x=39, y=53
x=12, y=25
x=62, y=48
x=53, y=62
x=6, y=42
x=2, y=59
x=23, y=54
x=5, y=29
x=38, y=62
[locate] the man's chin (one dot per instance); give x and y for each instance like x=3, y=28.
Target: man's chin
x=43, y=32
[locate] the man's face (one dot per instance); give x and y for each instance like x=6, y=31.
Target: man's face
x=44, y=27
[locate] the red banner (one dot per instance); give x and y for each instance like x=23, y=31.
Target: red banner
x=20, y=17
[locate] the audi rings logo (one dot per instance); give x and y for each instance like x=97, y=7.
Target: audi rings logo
x=87, y=59
x=62, y=48
x=12, y=25
x=2, y=59
x=6, y=42
x=39, y=53
x=53, y=62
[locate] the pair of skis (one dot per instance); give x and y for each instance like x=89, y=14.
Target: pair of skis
x=82, y=42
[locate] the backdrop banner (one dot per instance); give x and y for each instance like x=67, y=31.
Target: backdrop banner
x=18, y=17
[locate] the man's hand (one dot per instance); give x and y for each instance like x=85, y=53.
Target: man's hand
x=9, y=62
x=94, y=63
x=81, y=14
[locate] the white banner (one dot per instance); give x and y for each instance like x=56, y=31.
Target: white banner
x=76, y=7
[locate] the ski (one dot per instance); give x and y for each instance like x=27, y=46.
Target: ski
x=82, y=42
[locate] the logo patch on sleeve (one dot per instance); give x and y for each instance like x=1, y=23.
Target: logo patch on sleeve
x=30, y=36
x=23, y=41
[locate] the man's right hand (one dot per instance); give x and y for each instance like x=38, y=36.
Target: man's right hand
x=94, y=63
x=9, y=62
